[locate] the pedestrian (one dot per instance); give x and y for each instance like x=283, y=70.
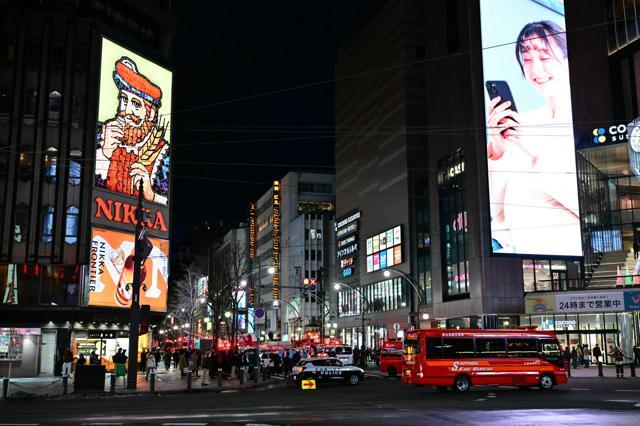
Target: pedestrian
x=81, y=360
x=206, y=367
x=586, y=355
x=356, y=356
x=597, y=353
x=196, y=359
x=156, y=353
x=618, y=360
x=67, y=362
x=143, y=361
x=93, y=358
x=578, y=348
x=182, y=364
x=574, y=358
x=150, y=364
x=167, y=360
x=176, y=358
x=636, y=249
x=636, y=354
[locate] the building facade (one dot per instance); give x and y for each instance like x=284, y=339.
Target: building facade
x=300, y=251
x=413, y=138
x=62, y=207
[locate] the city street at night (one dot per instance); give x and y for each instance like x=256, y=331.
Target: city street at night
x=377, y=400
x=361, y=212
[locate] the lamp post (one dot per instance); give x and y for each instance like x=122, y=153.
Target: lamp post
x=387, y=274
x=363, y=298
x=325, y=311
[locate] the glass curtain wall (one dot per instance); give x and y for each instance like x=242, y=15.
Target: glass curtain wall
x=453, y=226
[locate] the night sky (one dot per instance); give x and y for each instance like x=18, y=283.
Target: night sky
x=226, y=155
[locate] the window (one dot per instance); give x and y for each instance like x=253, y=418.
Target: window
x=306, y=254
x=50, y=163
x=522, y=348
x=75, y=168
x=55, y=103
x=550, y=351
x=306, y=234
x=71, y=226
x=319, y=255
x=313, y=255
x=457, y=348
x=20, y=222
x=490, y=348
x=25, y=166
x=412, y=346
x=47, y=224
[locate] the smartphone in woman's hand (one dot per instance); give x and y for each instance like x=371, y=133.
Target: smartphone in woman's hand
x=500, y=88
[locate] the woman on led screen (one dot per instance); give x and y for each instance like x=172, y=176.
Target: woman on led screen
x=534, y=199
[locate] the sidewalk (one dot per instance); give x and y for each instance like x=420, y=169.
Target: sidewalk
x=607, y=371
x=166, y=382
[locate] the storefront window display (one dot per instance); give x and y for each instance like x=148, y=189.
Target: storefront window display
x=10, y=344
x=604, y=329
x=550, y=275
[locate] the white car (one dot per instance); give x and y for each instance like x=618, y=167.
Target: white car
x=330, y=369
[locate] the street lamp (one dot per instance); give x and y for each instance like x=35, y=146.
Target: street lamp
x=227, y=314
x=271, y=270
x=387, y=274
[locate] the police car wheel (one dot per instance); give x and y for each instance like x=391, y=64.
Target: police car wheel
x=353, y=379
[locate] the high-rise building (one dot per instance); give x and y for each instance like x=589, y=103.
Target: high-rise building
x=85, y=99
x=294, y=257
x=495, y=223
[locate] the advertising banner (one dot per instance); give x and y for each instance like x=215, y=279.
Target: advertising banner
x=111, y=271
x=632, y=300
x=540, y=304
x=385, y=249
x=133, y=137
x=590, y=302
x=531, y=158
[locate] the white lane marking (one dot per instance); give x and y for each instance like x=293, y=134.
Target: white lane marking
x=621, y=400
x=183, y=424
x=627, y=390
x=19, y=424
x=580, y=389
x=230, y=391
x=480, y=399
x=491, y=395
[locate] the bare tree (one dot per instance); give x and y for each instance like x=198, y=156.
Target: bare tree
x=185, y=302
x=227, y=274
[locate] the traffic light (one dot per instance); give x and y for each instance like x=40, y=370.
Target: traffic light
x=145, y=319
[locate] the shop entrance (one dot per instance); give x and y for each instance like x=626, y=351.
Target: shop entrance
x=604, y=339
x=47, y=352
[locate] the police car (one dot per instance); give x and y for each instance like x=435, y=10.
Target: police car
x=329, y=369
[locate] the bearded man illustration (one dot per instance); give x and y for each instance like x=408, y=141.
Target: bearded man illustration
x=131, y=147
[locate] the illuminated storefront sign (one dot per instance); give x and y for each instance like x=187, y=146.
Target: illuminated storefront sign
x=120, y=212
x=616, y=133
x=347, y=244
x=531, y=159
x=384, y=250
x=133, y=137
x=111, y=271
x=252, y=231
x=276, y=240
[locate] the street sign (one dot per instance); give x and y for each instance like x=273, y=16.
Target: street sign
x=259, y=316
x=308, y=384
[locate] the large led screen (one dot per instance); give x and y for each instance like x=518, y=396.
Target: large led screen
x=111, y=271
x=530, y=143
x=132, y=136
x=384, y=250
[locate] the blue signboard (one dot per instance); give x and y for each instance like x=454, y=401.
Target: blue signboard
x=632, y=300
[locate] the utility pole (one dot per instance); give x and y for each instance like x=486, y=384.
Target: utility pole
x=134, y=316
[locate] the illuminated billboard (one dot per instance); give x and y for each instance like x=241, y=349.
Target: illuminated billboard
x=533, y=189
x=384, y=250
x=132, y=136
x=111, y=271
